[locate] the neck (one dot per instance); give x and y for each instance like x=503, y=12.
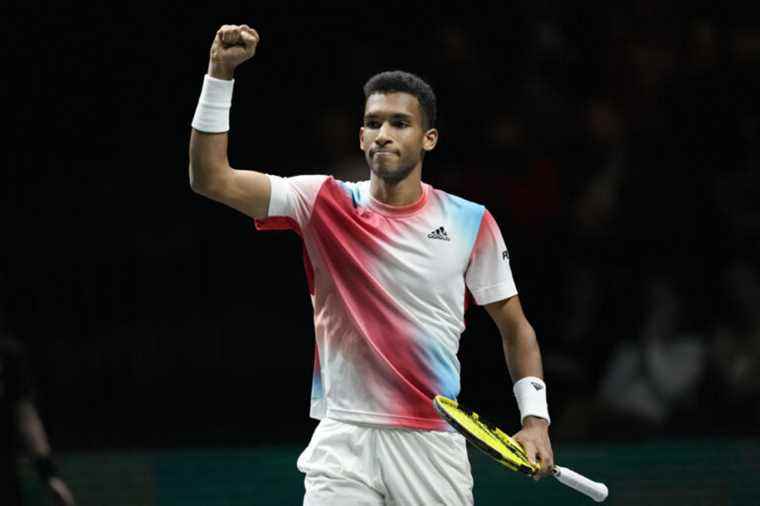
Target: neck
x=397, y=193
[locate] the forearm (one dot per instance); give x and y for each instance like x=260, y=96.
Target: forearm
x=208, y=160
x=521, y=351
x=208, y=151
x=523, y=357
x=31, y=430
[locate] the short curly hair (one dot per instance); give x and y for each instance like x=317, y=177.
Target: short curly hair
x=399, y=81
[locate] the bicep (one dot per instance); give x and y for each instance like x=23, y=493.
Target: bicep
x=247, y=191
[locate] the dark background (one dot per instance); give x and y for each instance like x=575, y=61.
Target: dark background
x=617, y=147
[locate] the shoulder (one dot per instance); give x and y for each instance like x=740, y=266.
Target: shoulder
x=326, y=188
x=457, y=204
x=320, y=180
x=303, y=180
x=357, y=191
x=307, y=185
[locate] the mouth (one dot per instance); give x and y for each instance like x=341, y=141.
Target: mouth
x=381, y=153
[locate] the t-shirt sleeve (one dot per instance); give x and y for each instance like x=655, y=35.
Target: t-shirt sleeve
x=291, y=202
x=489, y=276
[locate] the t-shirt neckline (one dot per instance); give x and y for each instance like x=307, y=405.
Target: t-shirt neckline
x=405, y=210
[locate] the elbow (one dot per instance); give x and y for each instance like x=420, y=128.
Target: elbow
x=194, y=181
x=198, y=183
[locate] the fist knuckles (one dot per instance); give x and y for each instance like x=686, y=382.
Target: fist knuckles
x=234, y=35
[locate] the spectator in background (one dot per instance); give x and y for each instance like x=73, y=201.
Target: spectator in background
x=648, y=379
x=20, y=426
x=651, y=375
x=595, y=271
x=735, y=382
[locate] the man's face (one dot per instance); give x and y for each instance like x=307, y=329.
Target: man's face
x=393, y=137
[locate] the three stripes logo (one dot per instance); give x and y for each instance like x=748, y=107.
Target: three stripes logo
x=439, y=233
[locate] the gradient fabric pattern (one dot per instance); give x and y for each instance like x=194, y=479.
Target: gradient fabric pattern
x=390, y=286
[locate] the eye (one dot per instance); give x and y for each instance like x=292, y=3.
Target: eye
x=399, y=124
x=372, y=124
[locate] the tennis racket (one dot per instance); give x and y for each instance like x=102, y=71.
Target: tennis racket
x=508, y=452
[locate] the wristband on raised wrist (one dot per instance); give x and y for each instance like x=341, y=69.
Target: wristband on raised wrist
x=212, y=115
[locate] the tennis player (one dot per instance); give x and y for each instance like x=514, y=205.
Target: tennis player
x=391, y=264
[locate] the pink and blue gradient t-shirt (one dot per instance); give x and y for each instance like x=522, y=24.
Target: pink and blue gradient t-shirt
x=390, y=286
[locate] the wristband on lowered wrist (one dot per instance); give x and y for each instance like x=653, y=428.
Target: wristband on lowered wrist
x=530, y=393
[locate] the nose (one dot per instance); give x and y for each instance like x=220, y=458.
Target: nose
x=382, y=135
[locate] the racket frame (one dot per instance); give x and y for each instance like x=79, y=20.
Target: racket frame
x=444, y=404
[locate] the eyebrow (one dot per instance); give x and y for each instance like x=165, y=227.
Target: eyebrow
x=396, y=115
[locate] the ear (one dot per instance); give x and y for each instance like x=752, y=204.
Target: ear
x=430, y=139
x=361, y=138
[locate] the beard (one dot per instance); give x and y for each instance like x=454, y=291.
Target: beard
x=391, y=172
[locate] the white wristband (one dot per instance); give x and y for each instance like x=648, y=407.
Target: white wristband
x=530, y=393
x=213, y=112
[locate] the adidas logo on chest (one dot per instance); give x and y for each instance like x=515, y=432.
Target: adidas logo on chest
x=439, y=233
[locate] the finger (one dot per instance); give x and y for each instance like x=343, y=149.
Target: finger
x=522, y=441
x=218, y=37
x=547, y=459
x=230, y=35
x=250, y=31
x=535, y=456
x=248, y=39
x=222, y=32
x=253, y=32
x=530, y=451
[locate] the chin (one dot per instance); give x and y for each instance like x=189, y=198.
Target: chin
x=391, y=175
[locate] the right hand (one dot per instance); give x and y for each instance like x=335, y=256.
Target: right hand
x=232, y=45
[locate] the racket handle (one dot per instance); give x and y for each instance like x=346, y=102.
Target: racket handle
x=595, y=490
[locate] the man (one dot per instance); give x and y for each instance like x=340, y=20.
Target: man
x=389, y=264
x=19, y=419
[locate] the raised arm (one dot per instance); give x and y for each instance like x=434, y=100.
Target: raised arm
x=210, y=172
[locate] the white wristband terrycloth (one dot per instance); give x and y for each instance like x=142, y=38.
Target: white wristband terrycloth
x=213, y=112
x=530, y=393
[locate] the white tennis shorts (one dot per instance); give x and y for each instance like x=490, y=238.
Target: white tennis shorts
x=359, y=465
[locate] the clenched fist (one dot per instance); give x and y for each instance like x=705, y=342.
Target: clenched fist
x=232, y=45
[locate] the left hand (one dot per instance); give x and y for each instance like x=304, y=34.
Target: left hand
x=60, y=493
x=534, y=437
